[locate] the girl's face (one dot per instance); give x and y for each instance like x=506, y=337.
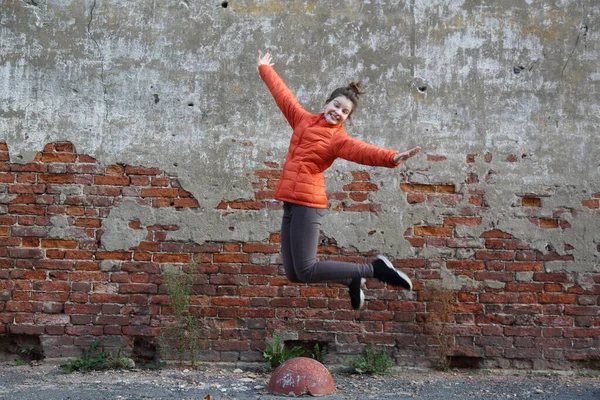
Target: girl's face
x=337, y=110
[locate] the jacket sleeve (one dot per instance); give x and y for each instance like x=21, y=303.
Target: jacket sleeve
x=285, y=99
x=357, y=151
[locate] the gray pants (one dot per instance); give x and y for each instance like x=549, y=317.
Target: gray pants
x=300, y=230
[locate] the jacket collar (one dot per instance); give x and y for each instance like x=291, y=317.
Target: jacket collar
x=322, y=122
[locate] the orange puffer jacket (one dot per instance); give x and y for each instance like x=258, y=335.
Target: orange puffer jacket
x=314, y=146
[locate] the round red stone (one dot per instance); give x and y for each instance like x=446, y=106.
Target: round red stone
x=301, y=375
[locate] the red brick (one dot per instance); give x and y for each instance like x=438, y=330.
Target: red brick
x=75, y=211
x=437, y=231
x=58, y=158
x=88, y=276
x=552, y=320
x=108, y=298
x=230, y=301
x=112, y=180
x=82, y=309
x=84, y=330
x=111, y=320
x=25, y=253
x=230, y=258
x=528, y=201
x=246, y=205
x=64, y=147
x=524, y=266
x=254, y=291
x=544, y=223
x=160, y=181
x=30, y=242
x=113, y=255
x=260, y=248
x=130, y=170
x=129, y=288
x=415, y=198
x=259, y=269
x=524, y=287
x=556, y=298
x=595, y=203
x=462, y=265
x=49, y=286
x=58, y=244
x=27, y=210
x=7, y=178
x=522, y=331
x=56, y=178
x=496, y=298
x=141, y=330
x=26, y=329
x=268, y=173
x=88, y=222
x=154, y=192
x=171, y=258
x=186, y=203
x=417, y=188
x=551, y=277
x=496, y=233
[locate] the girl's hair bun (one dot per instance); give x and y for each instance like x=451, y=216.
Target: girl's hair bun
x=356, y=87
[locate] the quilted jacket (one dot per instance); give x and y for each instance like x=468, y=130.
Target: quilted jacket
x=314, y=146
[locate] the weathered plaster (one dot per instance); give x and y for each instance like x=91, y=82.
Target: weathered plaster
x=173, y=85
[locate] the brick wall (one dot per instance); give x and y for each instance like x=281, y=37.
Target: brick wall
x=508, y=311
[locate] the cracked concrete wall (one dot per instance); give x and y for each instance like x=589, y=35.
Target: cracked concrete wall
x=173, y=84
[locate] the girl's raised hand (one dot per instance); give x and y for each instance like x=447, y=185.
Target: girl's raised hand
x=401, y=157
x=265, y=60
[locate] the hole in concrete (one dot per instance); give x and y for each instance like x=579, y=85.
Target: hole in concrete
x=20, y=347
x=224, y=4
x=517, y=70
x=465, y=362
x=144, y=351
x=191, y=104
x=422, y=89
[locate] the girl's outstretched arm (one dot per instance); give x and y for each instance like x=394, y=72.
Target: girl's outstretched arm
x=285, y=99
x=401, y=157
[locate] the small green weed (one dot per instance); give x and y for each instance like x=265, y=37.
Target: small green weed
x=185, y=333
x=20, y=363
x=117, y=361
x=276, y=353
x=319, y=352
x=95, y=359
x=372, y=362
x=91, y=360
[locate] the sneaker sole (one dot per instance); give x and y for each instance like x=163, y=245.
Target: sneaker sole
x=401, y=274
x=362, y=295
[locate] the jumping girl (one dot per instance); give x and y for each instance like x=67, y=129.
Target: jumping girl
x=317, y=140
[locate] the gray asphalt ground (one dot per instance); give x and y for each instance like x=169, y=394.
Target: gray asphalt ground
x=46, y=382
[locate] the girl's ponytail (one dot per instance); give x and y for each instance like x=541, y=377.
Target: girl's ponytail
x=356, y=87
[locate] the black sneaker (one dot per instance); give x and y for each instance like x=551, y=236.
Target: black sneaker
x=357, y=297
x=385, y=272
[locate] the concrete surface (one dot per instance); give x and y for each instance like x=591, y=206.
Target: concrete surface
x=173, y=84
x=46, y=382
